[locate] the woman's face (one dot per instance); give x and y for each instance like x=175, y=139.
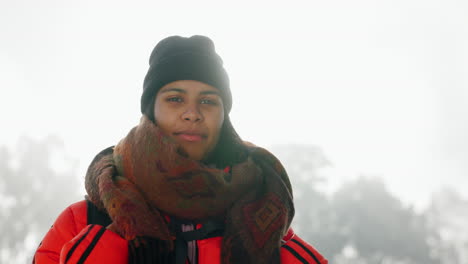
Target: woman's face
x=192, y=113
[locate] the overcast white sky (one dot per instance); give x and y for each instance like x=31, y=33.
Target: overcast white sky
x=380, y=86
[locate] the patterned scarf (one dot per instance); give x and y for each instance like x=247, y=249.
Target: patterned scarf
x=148, y=176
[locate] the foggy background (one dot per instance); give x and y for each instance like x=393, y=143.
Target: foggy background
x=363, y=101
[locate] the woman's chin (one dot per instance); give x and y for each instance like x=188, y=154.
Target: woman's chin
x=194, y=154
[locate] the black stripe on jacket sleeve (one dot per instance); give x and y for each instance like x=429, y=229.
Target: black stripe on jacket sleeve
x=92, y=245
x=70, y=253
x=306, y=250
x=299, y=257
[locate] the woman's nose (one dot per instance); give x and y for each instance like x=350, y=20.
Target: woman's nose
x=192, y=113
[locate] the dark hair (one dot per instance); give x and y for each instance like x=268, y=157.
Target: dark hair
x=230, y=148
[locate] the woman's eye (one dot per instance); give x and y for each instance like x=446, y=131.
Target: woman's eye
x=208, y=101
x=174, y=99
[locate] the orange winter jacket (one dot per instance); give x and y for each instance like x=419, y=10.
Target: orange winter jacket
x=72, y=240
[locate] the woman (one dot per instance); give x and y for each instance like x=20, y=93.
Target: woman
x=181, y=187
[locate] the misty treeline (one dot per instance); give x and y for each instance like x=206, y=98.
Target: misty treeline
x=360, y=223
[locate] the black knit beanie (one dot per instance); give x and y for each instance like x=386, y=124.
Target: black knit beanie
x=178, y=58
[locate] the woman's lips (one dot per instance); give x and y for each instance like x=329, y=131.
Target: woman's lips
x=190, y=137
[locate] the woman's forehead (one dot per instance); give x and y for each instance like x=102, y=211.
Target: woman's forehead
x=186, y=87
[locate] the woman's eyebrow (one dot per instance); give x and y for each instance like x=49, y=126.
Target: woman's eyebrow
x=210, y=92
x=173, y=90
